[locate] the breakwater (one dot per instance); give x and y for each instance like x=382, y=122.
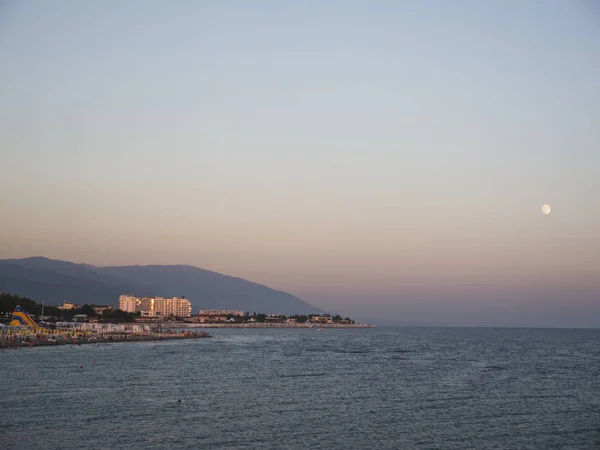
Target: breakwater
x=25, y=338
x=263, y=325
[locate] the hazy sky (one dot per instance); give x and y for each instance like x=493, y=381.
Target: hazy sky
x=385, y=159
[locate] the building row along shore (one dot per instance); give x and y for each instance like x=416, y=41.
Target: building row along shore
x=265, y=325
x=161, y=309
x=23, y=331
x=174, y=310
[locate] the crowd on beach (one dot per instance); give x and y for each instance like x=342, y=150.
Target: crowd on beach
x=28, y=337
x=23, y=336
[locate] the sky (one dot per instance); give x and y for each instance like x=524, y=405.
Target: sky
x=386, y=160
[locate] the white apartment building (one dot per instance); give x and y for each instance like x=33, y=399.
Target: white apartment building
x=156, y=306
x=128, y=303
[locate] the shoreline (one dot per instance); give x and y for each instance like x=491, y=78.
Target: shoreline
x=106, y=339
x=262, y=325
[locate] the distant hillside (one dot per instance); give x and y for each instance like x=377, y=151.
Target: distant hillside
x=56, y=281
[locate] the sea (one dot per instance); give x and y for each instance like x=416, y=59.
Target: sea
x=383, y=388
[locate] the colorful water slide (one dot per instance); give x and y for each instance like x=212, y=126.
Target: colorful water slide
x=22, y=318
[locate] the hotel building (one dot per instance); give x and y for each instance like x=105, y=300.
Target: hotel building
x=156, y=306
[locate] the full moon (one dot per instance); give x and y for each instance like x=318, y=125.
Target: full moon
x=546, y=209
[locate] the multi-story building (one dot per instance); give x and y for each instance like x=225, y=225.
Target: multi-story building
x=156, y=306
x=128, y=303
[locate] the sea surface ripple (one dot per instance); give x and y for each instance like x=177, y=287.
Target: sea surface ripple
x=386, y=388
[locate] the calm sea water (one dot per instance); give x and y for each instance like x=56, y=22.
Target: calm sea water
x=386, y=388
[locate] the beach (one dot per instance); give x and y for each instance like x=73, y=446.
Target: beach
x=18, y=339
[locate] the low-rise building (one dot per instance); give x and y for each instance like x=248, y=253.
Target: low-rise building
x=220, y=312
x=273, y=318
x=148, y=319
x=68, y=305
x=322, y=319
x=217, y=315
x=99, y=309
x=211, y=319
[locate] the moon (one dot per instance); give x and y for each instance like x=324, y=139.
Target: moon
x=546, y=209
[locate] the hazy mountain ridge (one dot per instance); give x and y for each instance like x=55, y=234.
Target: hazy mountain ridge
x=55, y=281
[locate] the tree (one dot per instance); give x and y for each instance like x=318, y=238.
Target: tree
x=118, y=315
x=52, y=311
x=88, y=310
x=8, y=302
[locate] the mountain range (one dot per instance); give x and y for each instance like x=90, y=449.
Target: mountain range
x=55, y=281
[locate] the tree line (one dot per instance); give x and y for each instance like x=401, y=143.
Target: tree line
x=8, y=302
x=299, y=318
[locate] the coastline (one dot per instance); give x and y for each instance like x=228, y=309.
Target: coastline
x=263, y=325
x=27, y=341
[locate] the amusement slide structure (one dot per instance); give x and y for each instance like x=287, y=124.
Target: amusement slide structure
x=21, y=318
